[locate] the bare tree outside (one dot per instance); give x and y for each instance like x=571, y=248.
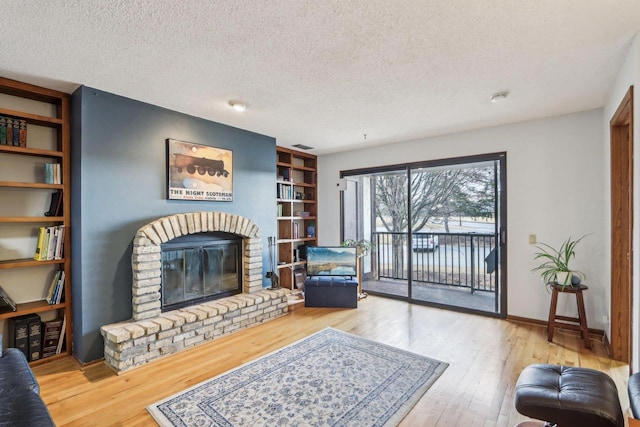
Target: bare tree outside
x=435, y=196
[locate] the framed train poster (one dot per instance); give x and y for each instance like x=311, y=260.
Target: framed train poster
x=199, y=172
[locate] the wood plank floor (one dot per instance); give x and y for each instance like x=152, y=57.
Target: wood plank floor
x=485, y=356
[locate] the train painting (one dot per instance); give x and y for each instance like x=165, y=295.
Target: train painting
x=199, y=164
x=198, y=172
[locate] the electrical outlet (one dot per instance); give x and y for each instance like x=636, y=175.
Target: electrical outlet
x=533, y=239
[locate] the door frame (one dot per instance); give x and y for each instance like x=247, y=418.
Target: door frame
x=621, y=158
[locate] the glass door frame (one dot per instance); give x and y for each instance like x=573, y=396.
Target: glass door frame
x=500, y=208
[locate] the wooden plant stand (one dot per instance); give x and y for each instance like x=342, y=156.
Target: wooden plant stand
x=576, y=324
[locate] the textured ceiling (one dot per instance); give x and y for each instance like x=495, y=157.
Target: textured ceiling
x=323, y=73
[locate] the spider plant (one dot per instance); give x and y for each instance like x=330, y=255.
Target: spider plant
x=363, y=246
x=554, y=263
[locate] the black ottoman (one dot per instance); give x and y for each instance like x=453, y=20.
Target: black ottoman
x=568, y=396
x=331, y=291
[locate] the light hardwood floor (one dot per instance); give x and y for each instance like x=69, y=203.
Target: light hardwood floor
x=485, y=356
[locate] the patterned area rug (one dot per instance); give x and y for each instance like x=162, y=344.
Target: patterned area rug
x=330, y=378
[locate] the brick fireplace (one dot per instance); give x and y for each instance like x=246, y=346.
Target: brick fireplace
x=151, y=334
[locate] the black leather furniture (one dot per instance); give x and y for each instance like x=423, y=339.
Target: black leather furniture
x=20, y=402
x=331, y=291
x=568, y=396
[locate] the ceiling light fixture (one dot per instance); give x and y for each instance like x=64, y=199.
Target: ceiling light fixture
x=499, y=97
x=238, y=106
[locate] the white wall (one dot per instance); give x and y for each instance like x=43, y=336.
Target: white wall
x=629, y=75
x=555, y=189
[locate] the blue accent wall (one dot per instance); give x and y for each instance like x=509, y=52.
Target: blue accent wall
x=119, y=184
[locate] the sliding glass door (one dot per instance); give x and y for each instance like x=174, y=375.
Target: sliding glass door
x=436, y=228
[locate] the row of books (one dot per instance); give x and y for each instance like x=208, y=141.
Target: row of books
x=56, y=288
x=13, y=132
x=35, y=338
x=50, y=244
x=285, y=191
x=52, y=173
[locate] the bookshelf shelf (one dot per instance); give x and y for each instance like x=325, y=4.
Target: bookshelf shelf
x=32, y=118
x=291, y=218
x=28, y=219
x=303, y=239
x=27, y=262
x=30, y=151
x=31, y=307
x=47, y=137
x=41, y=185
x=292, y=265
x=296, y=194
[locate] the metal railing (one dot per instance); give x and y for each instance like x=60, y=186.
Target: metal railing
x=467, y=260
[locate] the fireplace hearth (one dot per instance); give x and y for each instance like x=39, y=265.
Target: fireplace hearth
x=153, y=333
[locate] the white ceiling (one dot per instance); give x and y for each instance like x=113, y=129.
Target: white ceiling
x=324, y=73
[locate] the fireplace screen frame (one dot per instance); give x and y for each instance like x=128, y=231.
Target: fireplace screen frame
x=198, y=252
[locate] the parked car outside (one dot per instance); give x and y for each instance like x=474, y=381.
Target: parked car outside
x=424, y=242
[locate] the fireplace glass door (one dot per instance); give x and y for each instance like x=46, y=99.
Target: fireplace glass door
x=194, y=272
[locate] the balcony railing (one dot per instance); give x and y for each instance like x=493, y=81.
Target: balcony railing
x=467, y=260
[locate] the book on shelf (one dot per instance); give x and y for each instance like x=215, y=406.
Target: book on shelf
x=51, y=331
x=16, y=132
x=45, y=245
x=40, y=243
x=19, y=334
x=48, y=173
x=35, y=337
x=52, y=242
x=55, y=207
x=9, y=131
x=23, y=133
x=6, y=302
x=62, y=333
x=3, y=130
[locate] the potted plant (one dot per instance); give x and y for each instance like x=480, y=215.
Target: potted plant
x=363, y=246
x=554, y=263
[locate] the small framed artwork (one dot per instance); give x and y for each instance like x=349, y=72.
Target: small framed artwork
x=199, y=172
